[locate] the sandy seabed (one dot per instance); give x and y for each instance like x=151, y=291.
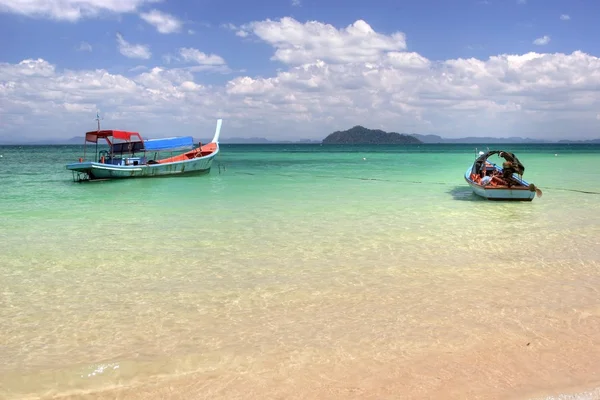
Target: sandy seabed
x=534, y=353
x=564, y=367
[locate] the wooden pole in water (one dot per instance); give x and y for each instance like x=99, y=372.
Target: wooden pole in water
x=97, y=133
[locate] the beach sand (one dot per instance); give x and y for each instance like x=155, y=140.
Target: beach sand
x=481, y=346
x=531, y=367
x=507, y=370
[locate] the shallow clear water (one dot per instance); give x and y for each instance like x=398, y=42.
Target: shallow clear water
x=296, y=270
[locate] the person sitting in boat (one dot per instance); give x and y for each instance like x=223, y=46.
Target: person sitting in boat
x=508, y=168
x=493, y=178
x=496, y=179
x=486, y=180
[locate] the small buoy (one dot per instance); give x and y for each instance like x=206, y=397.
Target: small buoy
x=364, y=158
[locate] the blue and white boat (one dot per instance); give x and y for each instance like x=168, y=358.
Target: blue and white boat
x=130, y=156
x=493, y=182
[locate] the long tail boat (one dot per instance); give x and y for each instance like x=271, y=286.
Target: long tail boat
x=130, y=156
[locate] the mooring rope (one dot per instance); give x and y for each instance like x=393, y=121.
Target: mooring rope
x=403, y=181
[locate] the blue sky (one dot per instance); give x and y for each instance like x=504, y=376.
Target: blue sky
x=293, y=69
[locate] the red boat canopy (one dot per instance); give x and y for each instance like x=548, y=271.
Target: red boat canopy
x=93, y=136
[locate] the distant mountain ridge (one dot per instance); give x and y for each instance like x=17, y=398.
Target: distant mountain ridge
x=232, y=140
x=431, y=139
x=39, y=142
x=589, y=141
x=361, y=135
x=425, y=139
x=257, y=140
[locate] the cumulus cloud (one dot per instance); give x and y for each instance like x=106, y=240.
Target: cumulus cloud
x=26, y=68
x=194, y=60
x=542, y=41
x=298, y=43
x=133, y=50
x=163, y=22
x=296, y=3
x=239, y=31
x=565, y=17
x=195, y=55
x=70, y=10
x=545, y=95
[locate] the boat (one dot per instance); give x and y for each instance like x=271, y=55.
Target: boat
x=494, y=182
x=131, y=156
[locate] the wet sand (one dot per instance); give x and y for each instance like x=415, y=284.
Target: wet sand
x=507, y=370
x=484, y=348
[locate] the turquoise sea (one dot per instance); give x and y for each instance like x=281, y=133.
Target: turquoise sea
x=300, y=272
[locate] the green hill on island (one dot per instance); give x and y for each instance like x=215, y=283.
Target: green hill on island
x=362, y=135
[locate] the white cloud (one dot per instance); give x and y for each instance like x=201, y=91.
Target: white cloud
x=542, y=41
x=27, y=68
x=201, y=62
x=70, y=10
x=190, y=86
x=239, y=31
x=159, y=78
x=79, y=108
x=198, y=57
x=84, y=46
x=544, y=95
x=163, y=22
x=296, y=3
x=138, y=68
x=565, y=17
x=521, y=1
x=298, y=43
x=133, y=50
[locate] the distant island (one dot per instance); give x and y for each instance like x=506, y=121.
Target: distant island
x=362, y=135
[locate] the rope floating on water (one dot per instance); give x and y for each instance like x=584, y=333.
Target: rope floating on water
x=403, y=181
x=575, y=190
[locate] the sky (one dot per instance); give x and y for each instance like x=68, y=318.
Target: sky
x=300, y=69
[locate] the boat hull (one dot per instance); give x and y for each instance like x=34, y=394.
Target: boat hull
x=515, y=193
x=97, y=171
